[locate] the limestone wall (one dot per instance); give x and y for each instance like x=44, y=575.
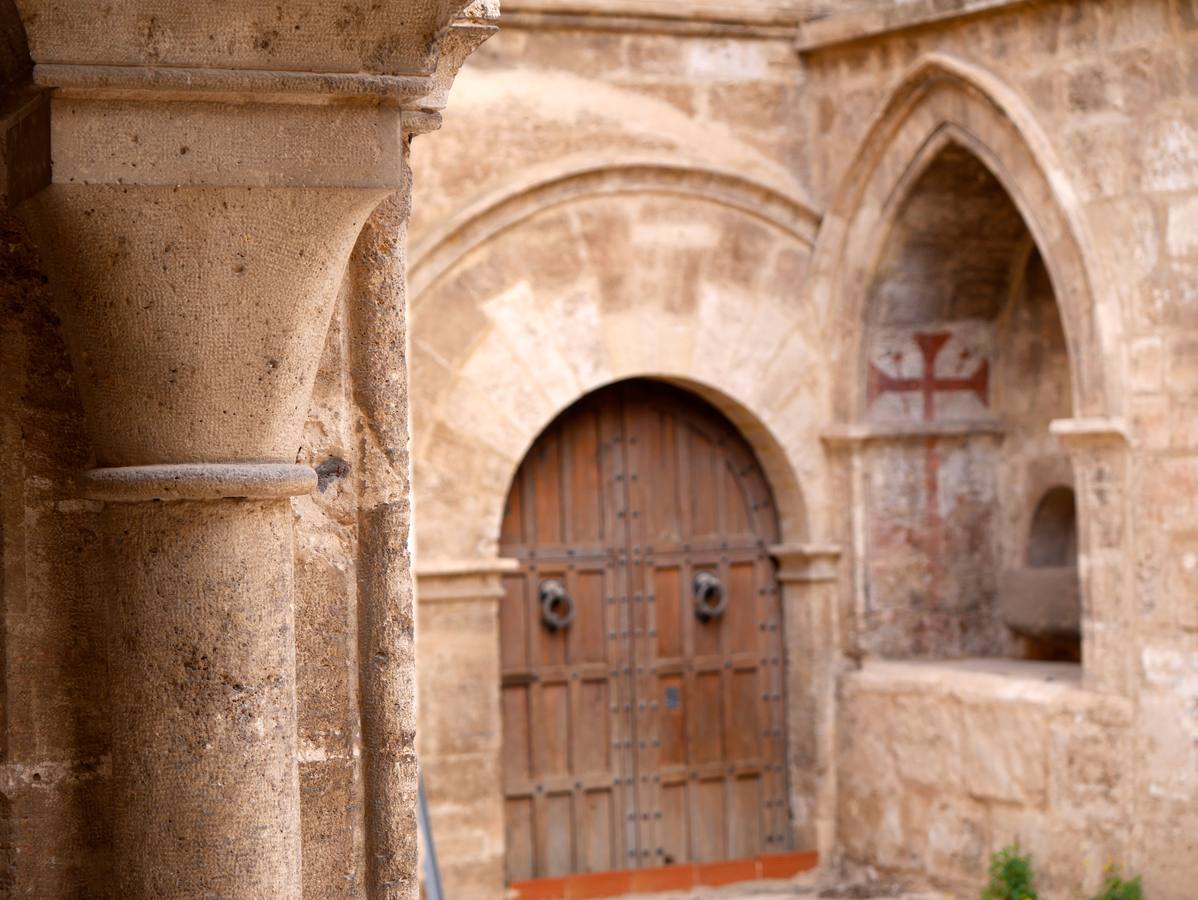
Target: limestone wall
x=939, y=764
x=1110, y=87
x=643, y=220
x=612, y=235
x=55, y=760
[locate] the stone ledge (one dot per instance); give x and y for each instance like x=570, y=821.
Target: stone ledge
x=759, y=12
x=104, y=82
x=653, y=25
x=973, y=681
x=1088, y=432
x=845, y=28
x=806, y=563
x=462, y=580
x=759, y=19
x=863, y=432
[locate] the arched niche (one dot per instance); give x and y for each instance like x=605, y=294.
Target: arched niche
x=1052, y=538
x=1040, y=600
x=965, y=365
x=970, y=314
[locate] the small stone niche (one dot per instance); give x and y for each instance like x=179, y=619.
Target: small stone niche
x=1041, y=601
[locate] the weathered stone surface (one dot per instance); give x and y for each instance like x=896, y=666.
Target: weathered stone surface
x=211, y=174
x=627, y=188
x=1016, y=176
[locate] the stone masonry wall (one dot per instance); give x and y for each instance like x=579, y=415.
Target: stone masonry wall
x=54, y=761
x=939, y=766
x=1114, y=85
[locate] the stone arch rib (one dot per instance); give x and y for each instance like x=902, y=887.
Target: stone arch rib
x=495, y=213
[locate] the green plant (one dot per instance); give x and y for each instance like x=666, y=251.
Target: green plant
x=1011, y=876
x=1117, y=888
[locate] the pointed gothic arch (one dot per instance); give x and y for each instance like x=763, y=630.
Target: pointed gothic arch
x=941, y=108
x=944, y=100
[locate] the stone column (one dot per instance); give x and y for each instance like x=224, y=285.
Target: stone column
x=461, y=721
x=195, y=232
x=845, y=448
x=1100, y=450
x=809, y=575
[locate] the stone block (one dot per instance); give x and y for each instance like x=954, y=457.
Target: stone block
x=1005, y=752
x=323, y=596
x=1088, y=770
x=727, y=60
x=1182, y=579
x=1183, y=364
x=958, y=840
x=1166, y=845
x=329, y=818
x=1147, y=365
x=926, y=741
x=466, y=805
x=1168, y=745
x=1169, y=156
x=1182, y=228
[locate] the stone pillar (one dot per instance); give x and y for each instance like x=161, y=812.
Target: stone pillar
x=845, y=448
x=195, y=234
x=461, y=721
x=809, y=575
x=205, y=785
x=1100, y=451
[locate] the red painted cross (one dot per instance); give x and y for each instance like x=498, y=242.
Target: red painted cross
x=928, y=384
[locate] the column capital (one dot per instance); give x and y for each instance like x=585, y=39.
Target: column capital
x=806, y=563
x=1087, y=434
x=202, y=208
x=459, y=580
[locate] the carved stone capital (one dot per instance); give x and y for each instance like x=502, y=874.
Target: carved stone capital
x=806, y=563
x=1087, y=435
x=449, y=581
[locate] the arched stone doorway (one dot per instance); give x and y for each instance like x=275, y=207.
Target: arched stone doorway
x=641, y=642
x=504, y=339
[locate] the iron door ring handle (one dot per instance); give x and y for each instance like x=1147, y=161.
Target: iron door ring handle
x=711, y=600
x=557, y=606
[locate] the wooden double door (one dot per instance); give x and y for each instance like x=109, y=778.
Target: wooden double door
x=643, y=703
